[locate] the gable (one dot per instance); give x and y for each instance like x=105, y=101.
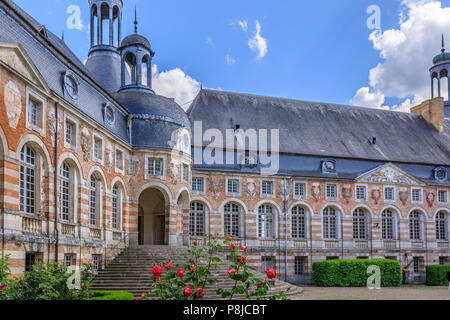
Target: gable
x=14, y=56
x=389, y=174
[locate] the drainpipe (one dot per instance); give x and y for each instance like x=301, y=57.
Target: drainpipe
x=55, y=185
x=285, y=233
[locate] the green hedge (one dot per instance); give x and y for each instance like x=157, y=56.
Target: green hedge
x=353, y=273
x=112, y=295
x=436, y=275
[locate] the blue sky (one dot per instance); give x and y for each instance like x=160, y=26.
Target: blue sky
x=316, y=50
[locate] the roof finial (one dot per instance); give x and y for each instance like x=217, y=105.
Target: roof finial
x=135, y=20
x=62, y=36
x=443, y=45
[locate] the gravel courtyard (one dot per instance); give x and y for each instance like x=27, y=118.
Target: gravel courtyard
x=400, y=293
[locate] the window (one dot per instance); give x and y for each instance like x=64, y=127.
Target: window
x=416, y=195
x=119, y=160
x=416, y=264
x=415, y=225
x=93, y=201
x=33, y=110
x=27, y=180
x=71, y=86
x=231, y=219
x=389, y=194
x=330, y=220
x=65, y=192
x=332, y=258
x=359, y=224
x=185, y=173
x=441, y=226
x=298, y=223
x=70, y=133
x=155, y=167
x=68, y=260
x=387, y=224
x=265, y=221
x=361, y=193
x=443, y=261
x=197, y=219
x=442, y=197
x=331, y=192
x=96, y=261
x=197, y=184
x=300, y=266
x=233, y=186
x=266, y=263
x=267, y=188
x=116, y=207
x=35, y=113
x=300, y=190
x=98, y=149
x=31, y=259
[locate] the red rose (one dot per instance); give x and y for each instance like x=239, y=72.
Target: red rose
x=3, y=286
x=193, y=268
x=157, y=271
x=194, y=242
x=180, y=273
x=244, y=248
x=243, y=260
x=138, y=298
x=158, y=278
x=187, y=292
x=232, y=246
x=230, y=237
x=231, y=272
x=270, y=273
x=200, y=292
x=169, y=266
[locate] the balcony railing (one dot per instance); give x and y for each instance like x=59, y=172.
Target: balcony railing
x=300, y=244
x=68, y=230
x=31, y=225
x=331, y=244
x=417, y=244
x=442, y=244
x=95, y=233
x=361, y=244
x=390, y=244
x=268, y=243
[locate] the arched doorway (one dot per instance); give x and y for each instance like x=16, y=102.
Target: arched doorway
x=152, y=218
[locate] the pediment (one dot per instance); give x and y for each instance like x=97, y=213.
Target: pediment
x=389, y=174
x=14, y=56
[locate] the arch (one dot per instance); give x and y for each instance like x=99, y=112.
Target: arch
x=204, y=201
x=3, y=145
x=307, y=223
x=99, y=174
x=94, y=25
x=417, y=232
x=367, y=208
x=146, y=71
x=235, y=200
x=267, y=201
x=68, y=156
x=446, y=210
x=302, y=204
x=105, y=23
x=421, y=210
x=179, y=193
x=38, y=146
x=391, y=207
x=159, y=186
x=338, y=223
x=130, y=65
x=122, y=184
x=331, y=205
x=116, y=26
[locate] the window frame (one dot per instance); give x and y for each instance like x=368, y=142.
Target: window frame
x=420, y=190
x=197, y=219
x=326, y=230
x=394, y=194
x=360, y=224
x=267, y=195
x=446, y=196
x=98, y=137
x=32, y=95
x=234, y=219
x=393, y=224
x=327, y=197
x=73, y=145
x=239, y=186
x=203, y=179
x=441, y=226
x=297, y=224
x=185, y=168
x=268, y=232
x=25, y=170
x=416, y=226
x=116, y=152
x=300, y=265
x=305, y=190
x=366, y=193
x=163, y=159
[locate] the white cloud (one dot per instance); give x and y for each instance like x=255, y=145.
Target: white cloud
x=407, y=53
x=258, y=43
x=230, y=60
x=209, y=41
x=243, y=24
x=175, y=84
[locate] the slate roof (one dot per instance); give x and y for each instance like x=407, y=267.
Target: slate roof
x=327, y=130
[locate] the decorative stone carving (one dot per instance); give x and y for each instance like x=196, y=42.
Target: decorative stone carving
x=173, y=173
x=250, y=189
x=375, y=195
x=388, y=175
x=403, y=195
x=430, y=197
x=281, y=189
x=316, y=190
x=215, y=187
x=86, y=144
x=13, y=104
x=52, y=126
x=347, y=193
x=11, y=58
x=133, y=164
x=109, y=157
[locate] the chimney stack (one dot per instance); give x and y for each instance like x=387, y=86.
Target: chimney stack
x=433, y=112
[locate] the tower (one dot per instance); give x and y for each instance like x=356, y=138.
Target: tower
x=439, y=71
x=136, y=62
x=106, y=34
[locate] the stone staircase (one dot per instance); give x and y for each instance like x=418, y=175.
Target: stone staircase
x=131, y=271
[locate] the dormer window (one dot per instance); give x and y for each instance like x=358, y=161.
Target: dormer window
x=329, y=166
x=109, y=116
x=440, y=174
x=71, y=85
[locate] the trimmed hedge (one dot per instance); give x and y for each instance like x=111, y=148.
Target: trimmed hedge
x=353, y=273
x=436, y=275
x=112, y=295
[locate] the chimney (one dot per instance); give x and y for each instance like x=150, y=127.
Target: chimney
x=432, y=111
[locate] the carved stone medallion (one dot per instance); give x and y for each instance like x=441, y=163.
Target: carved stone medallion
x=316, y=190
x=13, y=104
x=403, y=195
x=375, y=195
x=86, y=144
x=347, y=192
x=250, y=189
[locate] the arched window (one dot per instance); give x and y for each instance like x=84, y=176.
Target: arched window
x=359, y=224
x=93, y=201
x=441, y=226
x=65, y=197
x=330, y=224
x=28, y=179
x=116, y=207
x=105, y=23
x=145, y=71
x=197, y=219
x=116, y=40
x=265, y=221
x=130, y=69
x=415, y=225
x=231, y=219
x=94, y=26
x=388, y=225
x=298, y=223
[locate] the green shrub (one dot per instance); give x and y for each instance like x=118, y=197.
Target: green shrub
x=353, y=273
x=4, y=269
x=111, y=295
x=436, y=275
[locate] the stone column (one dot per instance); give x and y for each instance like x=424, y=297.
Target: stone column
x=439, y=85
x=432, y=87
x=111, y=27
x=92, y=28
x=99, y=26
